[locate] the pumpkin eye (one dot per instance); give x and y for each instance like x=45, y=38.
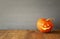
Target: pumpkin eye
x=42, y=24
x=45, y=26
x=48, y=25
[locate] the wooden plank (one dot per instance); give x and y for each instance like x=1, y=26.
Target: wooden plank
x=52, y=35
x=13, y=34
x=28, y=34
x=34, y=35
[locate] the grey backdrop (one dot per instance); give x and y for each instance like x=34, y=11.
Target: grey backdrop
x=23, y=14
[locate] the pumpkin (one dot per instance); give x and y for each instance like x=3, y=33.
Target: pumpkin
x=44, y=25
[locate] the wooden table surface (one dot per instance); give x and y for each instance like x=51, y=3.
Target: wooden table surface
x=28, y=34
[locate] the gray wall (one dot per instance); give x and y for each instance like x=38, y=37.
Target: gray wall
x=23, y=14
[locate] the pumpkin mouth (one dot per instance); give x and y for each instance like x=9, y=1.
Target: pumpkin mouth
x=45, y=28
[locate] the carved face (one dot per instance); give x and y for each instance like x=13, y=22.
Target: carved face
x=44, y=25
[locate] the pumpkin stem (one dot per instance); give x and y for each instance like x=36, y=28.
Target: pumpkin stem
x=52, y=19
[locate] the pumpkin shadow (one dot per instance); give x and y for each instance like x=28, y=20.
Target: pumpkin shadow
x=54, y=32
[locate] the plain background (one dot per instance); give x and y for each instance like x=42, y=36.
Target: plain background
x=23, y=14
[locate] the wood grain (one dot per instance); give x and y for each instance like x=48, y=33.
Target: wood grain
x=28, y=34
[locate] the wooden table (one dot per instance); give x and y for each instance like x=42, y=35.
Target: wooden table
x=28, y=34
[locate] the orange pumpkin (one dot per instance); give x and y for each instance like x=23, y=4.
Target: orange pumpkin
x=44, y=25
